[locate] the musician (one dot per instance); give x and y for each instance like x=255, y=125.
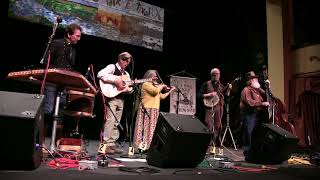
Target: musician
x=113, y=74
x=252, y=104
x=60, y=55
x=214, y=92
x=62, y=51
x=149, y=109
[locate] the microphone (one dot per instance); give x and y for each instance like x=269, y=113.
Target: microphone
x=58, y=19
x=87, y=73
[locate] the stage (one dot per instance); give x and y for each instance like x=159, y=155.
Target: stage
x=229, y=165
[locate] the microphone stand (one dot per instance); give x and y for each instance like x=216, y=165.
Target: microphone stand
x=228, y=124
x=178, y=99
x=115, y=117
x=55, y=25
x=184, y=98
x=53, y=148
x=134, y=112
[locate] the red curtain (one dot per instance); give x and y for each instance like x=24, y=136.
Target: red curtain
x=305, y=107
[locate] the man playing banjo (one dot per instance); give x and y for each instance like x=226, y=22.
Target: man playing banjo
x=212, y=92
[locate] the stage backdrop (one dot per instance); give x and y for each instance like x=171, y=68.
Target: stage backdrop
x=186, y=89
x=129, y=21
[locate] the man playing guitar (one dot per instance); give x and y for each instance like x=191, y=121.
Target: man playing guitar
x=112, y=79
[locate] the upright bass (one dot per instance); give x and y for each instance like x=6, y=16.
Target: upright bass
x=276, y=111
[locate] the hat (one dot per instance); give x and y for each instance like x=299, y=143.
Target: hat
x=251, y=75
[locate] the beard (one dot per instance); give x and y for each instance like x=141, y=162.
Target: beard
x=255, y=84
x=214, y=80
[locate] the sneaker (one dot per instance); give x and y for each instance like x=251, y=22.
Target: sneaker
x=109, y=150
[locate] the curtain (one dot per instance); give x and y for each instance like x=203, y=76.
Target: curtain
x=304, y=107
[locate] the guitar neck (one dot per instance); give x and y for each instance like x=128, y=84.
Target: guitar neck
x=138, y=81
x=143, y=80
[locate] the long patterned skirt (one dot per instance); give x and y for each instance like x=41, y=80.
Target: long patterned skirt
x=145, y=125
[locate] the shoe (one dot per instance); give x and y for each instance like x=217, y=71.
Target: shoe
x=143, y=151
x=109, y=150
x=44, y=149
x=116, y=149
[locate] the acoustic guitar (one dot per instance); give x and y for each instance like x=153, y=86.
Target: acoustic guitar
x=111, y=90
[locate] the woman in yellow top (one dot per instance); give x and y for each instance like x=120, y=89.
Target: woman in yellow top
x=149, y=108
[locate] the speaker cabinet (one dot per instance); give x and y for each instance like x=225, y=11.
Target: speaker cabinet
x=21, y=125
x=178, y=141
x=271, y=144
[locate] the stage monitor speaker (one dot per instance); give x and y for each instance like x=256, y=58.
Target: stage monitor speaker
x=271, y=144
x=179, y=141
x=21, y=125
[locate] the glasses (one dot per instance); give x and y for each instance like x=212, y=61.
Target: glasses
x=215, y=74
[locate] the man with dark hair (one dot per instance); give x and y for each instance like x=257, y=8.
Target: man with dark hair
x=61, y=55
x=62, y=51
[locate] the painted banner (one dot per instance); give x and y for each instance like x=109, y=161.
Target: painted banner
x=183, y=101
x=128, y=21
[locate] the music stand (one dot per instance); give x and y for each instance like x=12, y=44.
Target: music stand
x=228, y=126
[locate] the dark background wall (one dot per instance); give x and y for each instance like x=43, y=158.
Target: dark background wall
x=305, y=23
x=197, y=38
x=230, y=35
x=224, y=35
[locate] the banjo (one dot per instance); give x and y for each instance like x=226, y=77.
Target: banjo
x=211, y=101
x=214, y=100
